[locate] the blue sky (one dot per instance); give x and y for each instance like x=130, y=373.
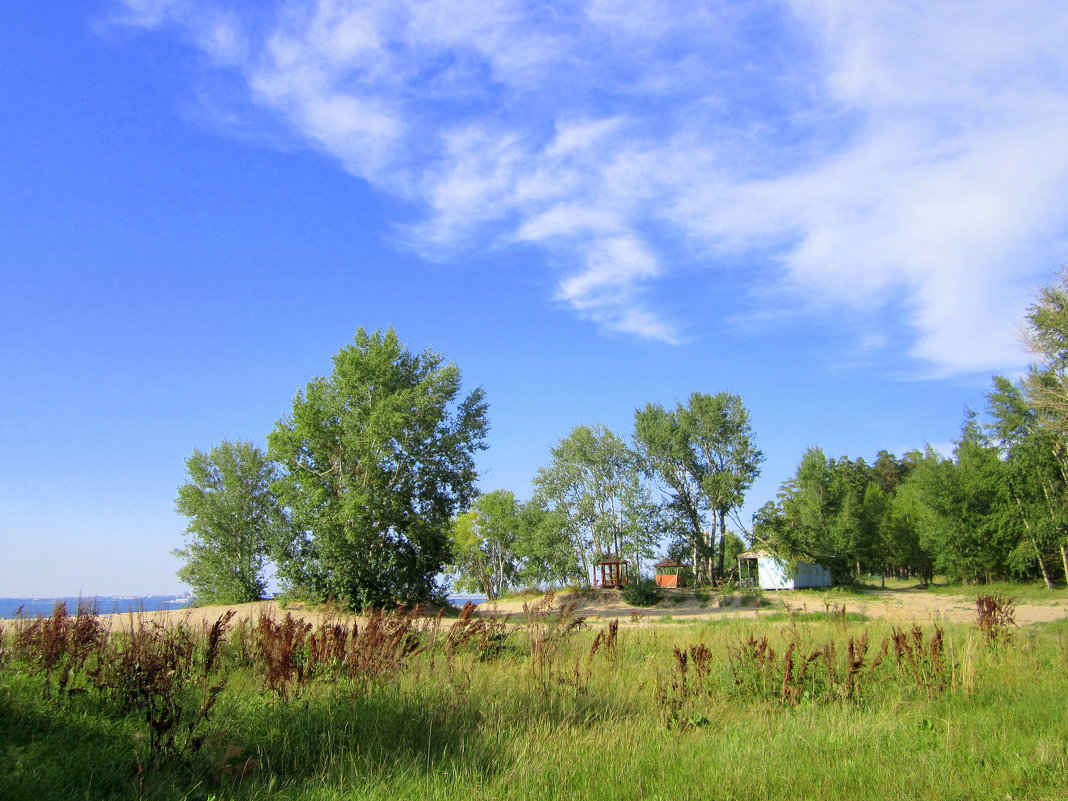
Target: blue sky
x=837, y=210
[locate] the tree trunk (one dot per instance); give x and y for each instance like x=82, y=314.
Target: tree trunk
x=1064, y=560
x=1042, y=565
x=1034, y=543
x=722, y=543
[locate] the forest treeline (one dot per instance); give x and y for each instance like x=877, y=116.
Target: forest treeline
x=993, y=510
x=997, y=508
x=367, y=491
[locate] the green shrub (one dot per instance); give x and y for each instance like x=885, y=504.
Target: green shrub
x=752, y=596
x=642, y=592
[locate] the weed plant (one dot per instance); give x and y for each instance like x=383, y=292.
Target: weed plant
x=995, y=617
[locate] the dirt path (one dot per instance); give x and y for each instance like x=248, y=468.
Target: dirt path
x=921, y=605
x=906, y=605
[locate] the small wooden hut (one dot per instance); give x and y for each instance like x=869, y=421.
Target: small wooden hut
x=669, y=573
x=611, y=571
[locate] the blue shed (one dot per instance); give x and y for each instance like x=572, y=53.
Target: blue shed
x=768, y=571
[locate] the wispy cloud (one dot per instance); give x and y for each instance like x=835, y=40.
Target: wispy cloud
x=911, y=151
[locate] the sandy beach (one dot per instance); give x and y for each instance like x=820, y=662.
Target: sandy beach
x=905, y=605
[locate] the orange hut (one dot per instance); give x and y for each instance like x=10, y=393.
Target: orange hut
x=669, y=573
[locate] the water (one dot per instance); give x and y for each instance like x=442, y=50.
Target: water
x=109, y=604
x=460, y=600
x=105, y=604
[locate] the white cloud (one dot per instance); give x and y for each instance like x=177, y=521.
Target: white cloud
x=885, y=151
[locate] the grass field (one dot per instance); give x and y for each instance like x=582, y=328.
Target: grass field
x=1030, y=591
x=790, y=706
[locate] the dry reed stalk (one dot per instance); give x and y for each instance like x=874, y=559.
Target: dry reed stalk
x=857, y=651
x=385, y=643
x=483, y=635
x=280, y=648
x=547, y=628
x=60, y=645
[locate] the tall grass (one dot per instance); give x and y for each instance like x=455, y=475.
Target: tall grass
x=544, y=707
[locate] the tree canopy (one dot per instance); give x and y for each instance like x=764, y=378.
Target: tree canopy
x=703, y=454
x=484, y=542
x=233, y=519
x=594, y=485
x=376, y=458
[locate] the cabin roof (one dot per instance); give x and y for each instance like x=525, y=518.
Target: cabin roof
x=668, y=563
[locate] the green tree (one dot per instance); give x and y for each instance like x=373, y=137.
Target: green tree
x=664, y=443
x=703, y=453
x=837, y=513
x=483, y=544
x=233, y=519
x=805, y=522
x=961, y=510
x=377, y=458
x=1035, y=486
x=544, y=546
x=594, y=485
x=1046, y=334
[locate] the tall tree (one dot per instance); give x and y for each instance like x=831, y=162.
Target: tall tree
x=377, y=459
x=703, y=453
x=803, y=523
x=959, y=501
x=545, y=545
x=233, y=518
x=663, y=441
x=1036, y=485
x=841, y=514
x=594, y=484
x=484, y=542
x=1046, y=334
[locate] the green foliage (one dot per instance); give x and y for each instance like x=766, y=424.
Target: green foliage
x=545, y=547
x=991, y=511
x=703, y=454
x=233, y=520
x=1046, y=335
x=377, y=458
x=642, y=591
x=593, y=486
x=832, y=512
x=484, y=544
x=752, y=596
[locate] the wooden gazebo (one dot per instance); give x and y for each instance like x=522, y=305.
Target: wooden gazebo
x=611, y=571
x=669, y=573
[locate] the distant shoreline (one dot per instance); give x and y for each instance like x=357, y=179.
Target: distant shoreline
x=104, y=604
x=121, y=604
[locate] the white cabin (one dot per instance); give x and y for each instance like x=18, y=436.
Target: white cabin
x=768, y=571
